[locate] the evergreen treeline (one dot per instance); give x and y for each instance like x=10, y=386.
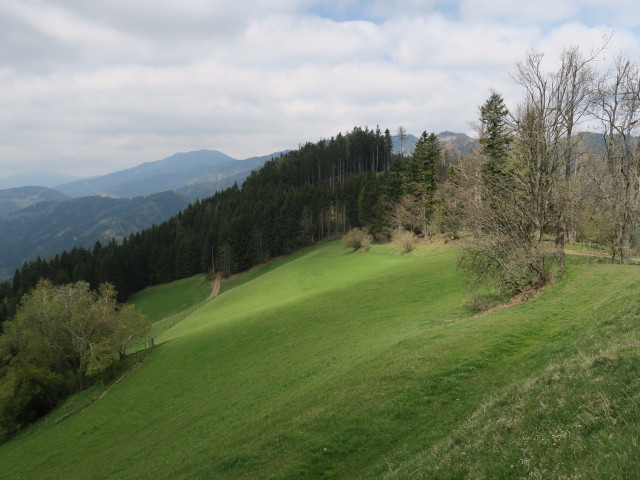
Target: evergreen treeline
x=301, y=197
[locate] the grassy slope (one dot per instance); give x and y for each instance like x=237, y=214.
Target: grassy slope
x=167, y=304
x=348, y=365
x=162, y=301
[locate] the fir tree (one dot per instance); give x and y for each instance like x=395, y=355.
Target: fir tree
x=495, y=134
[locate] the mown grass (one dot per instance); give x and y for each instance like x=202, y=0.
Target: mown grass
x=162, y=301
x=167, y=304
x=365, y=365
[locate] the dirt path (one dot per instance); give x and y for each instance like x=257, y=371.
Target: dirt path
x=634, y=260
x=215, y=285
x=122, y=377
x=215, y=290
x=586, y=253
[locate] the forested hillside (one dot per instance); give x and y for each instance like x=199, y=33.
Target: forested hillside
x=14, y=199
x=321, y=190
x=48, y=228
x=534, y=179
x=294, y=200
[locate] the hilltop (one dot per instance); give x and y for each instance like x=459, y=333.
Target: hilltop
x=14, y=199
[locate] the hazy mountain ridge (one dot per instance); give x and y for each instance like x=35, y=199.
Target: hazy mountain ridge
x=15, y=199
x=44, y=222
x=211, y=170
x=48, y=228
x=42, y=179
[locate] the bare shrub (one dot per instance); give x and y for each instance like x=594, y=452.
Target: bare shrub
x=404, y=240
x=365, y=243
x=357, y=238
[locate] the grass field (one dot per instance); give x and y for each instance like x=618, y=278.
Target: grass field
x=162, y=301
x=331, y=364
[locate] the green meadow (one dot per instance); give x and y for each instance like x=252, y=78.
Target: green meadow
x=359, y=365
x=163, y=301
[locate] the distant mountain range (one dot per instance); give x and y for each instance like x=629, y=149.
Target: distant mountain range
x=194, y=174
x=14, y=199
x=40, y=221
x=50, y=227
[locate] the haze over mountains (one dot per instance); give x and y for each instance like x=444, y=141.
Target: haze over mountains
x=42, y=179
x=192, y=174
x=14, y=199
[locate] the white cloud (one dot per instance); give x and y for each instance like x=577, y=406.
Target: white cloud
x=99, y=86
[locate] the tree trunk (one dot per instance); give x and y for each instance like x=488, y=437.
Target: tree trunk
x=560, y=237
x=624, y=244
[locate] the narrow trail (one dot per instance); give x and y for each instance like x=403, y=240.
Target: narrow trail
x=122, y=377
x=215, y=290
x=586, y=253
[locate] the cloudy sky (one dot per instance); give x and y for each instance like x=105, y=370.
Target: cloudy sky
x=89, y=87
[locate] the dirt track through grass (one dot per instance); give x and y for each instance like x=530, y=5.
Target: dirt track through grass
x=215, y=285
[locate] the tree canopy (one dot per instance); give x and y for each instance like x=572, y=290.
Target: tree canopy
x=60, y=337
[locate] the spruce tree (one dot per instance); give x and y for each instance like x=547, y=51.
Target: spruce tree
x=495, y=139
x=422, y=166
x=422, y=174
x=495, y=135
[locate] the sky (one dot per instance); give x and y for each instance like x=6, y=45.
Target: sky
x=89, y=87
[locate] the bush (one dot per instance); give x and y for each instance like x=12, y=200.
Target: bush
x=404, y=240
x=357, y=238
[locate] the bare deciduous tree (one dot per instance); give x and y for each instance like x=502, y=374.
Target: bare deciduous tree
x=527, y=193
x=616, y=104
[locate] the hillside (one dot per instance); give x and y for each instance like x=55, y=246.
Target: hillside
x=332, y=364
x=37, y=224
x=292, y=201
x=48, y=228
x=14, y=199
